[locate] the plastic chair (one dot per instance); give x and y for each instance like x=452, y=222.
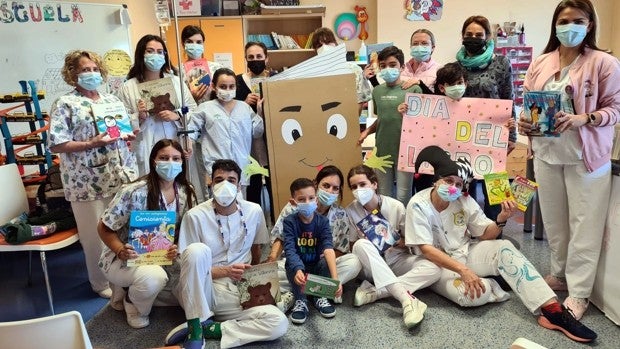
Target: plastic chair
x=62, y=331
x=15, y=203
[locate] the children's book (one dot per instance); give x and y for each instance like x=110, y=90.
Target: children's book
x=113, y=119
x=321, y=286
x=151, y=233
x=379, y=231
x=540, y=107
x=159, y=95
x=259, y=286
x=523, y=190
x=498, y=187
x=197, y=72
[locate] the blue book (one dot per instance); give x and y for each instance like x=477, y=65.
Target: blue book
x=379, y=231
x=540, y=107
x=113, y=119
x=151, y=233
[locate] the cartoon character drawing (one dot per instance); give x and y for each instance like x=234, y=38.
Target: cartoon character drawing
x=362, y=18
x=423, y=10
x=77, y=15
x=118, y=62
x=111, y=127
x=259, y=295
x=535, y=111
x=550, y=114
x=161, y=103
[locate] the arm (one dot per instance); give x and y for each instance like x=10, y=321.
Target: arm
x=256, y=253
x=506, y=91
x=276, y=251
x=290, y=245
x=110, y=238
x=77, y=146
x=330, y=258
x=608, y=112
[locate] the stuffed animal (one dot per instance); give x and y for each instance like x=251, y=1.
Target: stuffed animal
x=259, y=295
x=161, y=103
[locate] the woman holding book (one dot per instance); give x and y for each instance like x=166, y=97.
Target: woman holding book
x=151, y=63
x=574, y=170
x=193, y=39
x=94, y=165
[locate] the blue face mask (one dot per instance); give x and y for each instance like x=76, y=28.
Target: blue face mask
x=90, y=80
x=571, y=35
x=326, y=198
x=168, y=170
x=389, y=74
x=154, y=61
x=306, y=209
x=194, y=51
x=448, y=192
x=421, y=53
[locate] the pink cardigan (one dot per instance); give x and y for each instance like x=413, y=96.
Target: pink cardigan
x=595, y=78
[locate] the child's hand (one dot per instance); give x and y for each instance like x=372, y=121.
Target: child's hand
x=339, y=290
x=402, y=108
x=300, y=278
x=409, y=83
x=511, y=124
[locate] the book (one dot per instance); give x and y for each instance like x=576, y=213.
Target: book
x=197, y=72
x=540, y=107
x=379, y=231
x=259, y=285
x=321, y=286
x=498, y=187
x=159, y=95
x=113, y=119
x=523, y=191
x=151, y=233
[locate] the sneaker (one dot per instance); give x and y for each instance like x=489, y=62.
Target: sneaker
x=134, y=318
x=577, y=306
x=180, y=333
x=325, y=307
x=413, y=312
x=117, y=305
x=300, y=312
x=556, y=283
x=118, y=294
x=338, y=300
x=105, y=293
x=565, y=322
x=365, y=294
x=286, y=302
x=194, y=344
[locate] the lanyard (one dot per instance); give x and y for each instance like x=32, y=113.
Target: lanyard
x=221, y=228
x=162, y=201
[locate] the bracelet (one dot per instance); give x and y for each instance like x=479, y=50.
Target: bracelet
x=501, y=224
x=119, y=250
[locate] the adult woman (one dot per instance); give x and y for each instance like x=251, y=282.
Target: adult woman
x=151, y=63
x=94, y=166
x=573, y=171
x=421, y=67
x=193, y=39
x=394, y=271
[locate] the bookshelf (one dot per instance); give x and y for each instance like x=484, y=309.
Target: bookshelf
x=520, y=59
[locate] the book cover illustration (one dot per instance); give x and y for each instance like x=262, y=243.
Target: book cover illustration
x=523, y=191
x=259, y=286
x=321, y=286
x=498, y=187
x=113, y=119
x=159, y=95
x=197, y=72
x=151, y=233
x=379, y=231
x=255, y=83
x=540, y=107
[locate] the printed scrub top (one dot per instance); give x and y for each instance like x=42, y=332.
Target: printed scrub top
x=91, y=174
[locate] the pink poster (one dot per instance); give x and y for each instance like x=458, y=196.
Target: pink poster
x=472, y=128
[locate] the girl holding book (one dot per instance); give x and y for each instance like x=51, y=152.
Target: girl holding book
x=193, y=39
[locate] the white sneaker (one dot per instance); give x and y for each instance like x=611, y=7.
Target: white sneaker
x=286, y=301
x=105, y=293
x=365, y=294
x=338, y=300
x=134, y=319
x=413, y=312
x=578, y=306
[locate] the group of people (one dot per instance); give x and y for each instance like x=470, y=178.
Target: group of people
x=437, y=237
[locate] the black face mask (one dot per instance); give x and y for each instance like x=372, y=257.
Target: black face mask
x=256, y=67
x=474, y=46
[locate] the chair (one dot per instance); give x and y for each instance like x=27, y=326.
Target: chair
x=62, y=331
x=15, y=203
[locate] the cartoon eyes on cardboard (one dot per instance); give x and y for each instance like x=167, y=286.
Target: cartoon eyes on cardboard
x=337, y=126
x=291, y=131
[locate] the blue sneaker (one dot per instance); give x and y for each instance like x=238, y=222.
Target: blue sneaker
x=300, y=312
x=194, y=344
x=180, y=333
x=325, y=307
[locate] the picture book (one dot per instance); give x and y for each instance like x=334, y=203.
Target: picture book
x=159, y=95
x=379, y=231
x=113, y=119
x=151, y=233
x=255, y=83
x=259, y=286
x=197, y=72
x=321, y=286
x=540, y=107
x=498, y=187
x=523, y=190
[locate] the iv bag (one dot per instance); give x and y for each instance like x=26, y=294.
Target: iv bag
x=162, y=12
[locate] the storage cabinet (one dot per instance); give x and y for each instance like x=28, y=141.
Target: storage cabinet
x=520, y=58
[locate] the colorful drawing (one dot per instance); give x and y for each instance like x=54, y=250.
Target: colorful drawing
x=259, y=285
x=540, y=107
x=159, y=95
x=346, y=26
x=423, y=10
x=151, y=234
x=523, y=191
x=379, y=231
x=497, y=186
x=113, y=119
x=362, y=18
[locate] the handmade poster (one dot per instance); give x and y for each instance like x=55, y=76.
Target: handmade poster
x=472, y=128
x=259, y=285
x=321, y=286
x=540, y=107
x=423, y=10
x=159, y=95
x=113, y=119
x=151, y=233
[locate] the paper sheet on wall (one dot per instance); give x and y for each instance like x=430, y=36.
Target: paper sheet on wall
x=225, y=59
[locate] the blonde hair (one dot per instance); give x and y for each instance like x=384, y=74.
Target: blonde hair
x=72, y=65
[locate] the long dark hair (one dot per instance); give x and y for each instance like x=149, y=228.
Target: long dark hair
x=139, y=67
x=327, y=171
x=586, y=7
x=216, y=76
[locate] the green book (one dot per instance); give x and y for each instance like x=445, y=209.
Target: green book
x=321, y=286
x=498, y=187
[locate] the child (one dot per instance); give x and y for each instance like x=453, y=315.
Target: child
x=451, y=81
x=386, y=99
x=308, y=248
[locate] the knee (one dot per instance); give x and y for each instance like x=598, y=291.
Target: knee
x=196, y=252
x=279, y=323
x=151, y=279
x=361, y=246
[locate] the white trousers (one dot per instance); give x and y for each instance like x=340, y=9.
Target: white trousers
x=574, y=205
x=347, y=265
x=87, y=215
x=404, y=183
x=414, y=272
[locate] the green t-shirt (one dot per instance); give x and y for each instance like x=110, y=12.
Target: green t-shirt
x=385, y=101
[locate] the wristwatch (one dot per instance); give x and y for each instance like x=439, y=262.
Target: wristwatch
x=591, y=119
x=500, y=224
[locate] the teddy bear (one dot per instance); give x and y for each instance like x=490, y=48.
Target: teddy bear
x=259, y=295
x=161, y=103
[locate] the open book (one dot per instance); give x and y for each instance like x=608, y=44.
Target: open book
x=151, y=233
x=259, y=286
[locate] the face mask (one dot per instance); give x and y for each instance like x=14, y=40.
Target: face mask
x=326, y=198
x=448, y=192
x=324, y=48
x=90, y=80
x=168, y=170
x=421, y=53
x=154, y=61
x=364, y=195
x=571, y=35
x=306, y=209
x=224, y=193
x=389, y=75
x=225, y=95
x=256, y=67
x=474, y=46
x=455, y=91
x=194, y=51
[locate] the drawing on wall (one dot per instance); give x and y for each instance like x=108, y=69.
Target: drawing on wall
x=423, y=10
x=117, y=61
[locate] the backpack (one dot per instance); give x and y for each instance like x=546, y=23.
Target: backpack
x=50, y=194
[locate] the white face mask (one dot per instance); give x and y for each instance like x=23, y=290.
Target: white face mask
x=455, y=92
x=364, y=195
x=226, y=95
x=224, y=193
